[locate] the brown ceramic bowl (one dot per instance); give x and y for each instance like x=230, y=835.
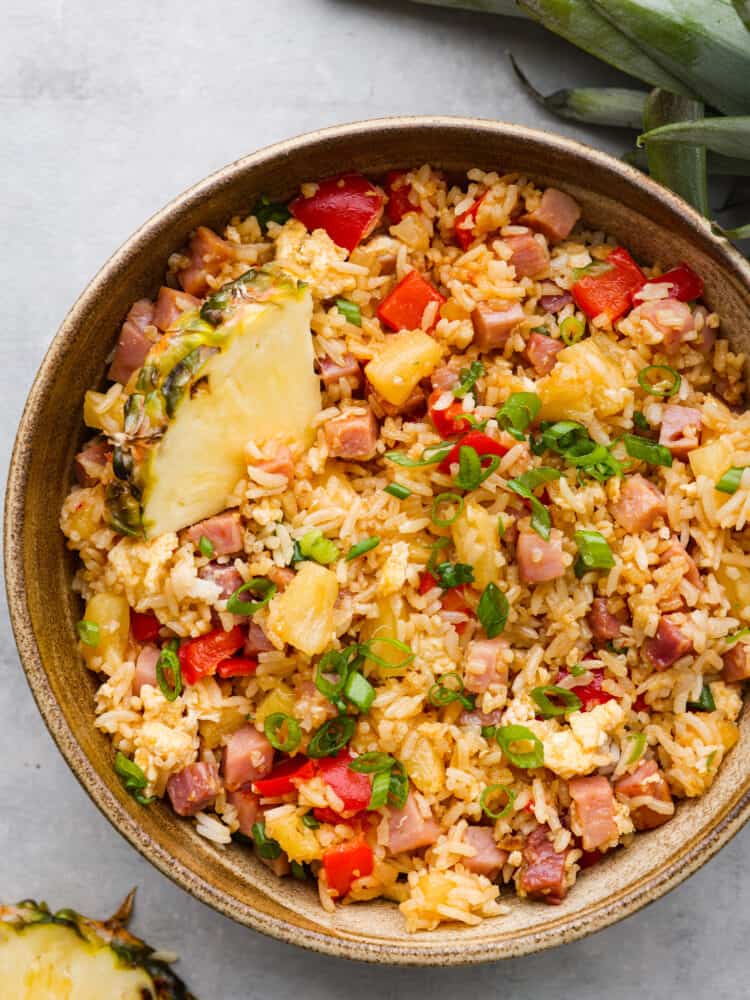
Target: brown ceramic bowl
x=651, y=221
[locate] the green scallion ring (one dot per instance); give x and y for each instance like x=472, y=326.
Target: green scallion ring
x=571, y=330
x=274, y=724
x=371, y=762
x=446, y=498
x=88, y=632
x=441, y=694
x=331, y=737
x=671, y=373
x=506, y=736
x=168, y=660
x=399, y=786
x=334, y=664
x=360, y=548
x=542, y=697
x=381, y=786
x=489, y=792
x=365, y=649
x=265, y=589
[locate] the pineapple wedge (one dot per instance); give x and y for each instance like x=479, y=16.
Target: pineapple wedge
x=303, y=614
x=48, y=956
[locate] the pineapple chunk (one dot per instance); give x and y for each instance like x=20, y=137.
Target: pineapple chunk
x=303, y=614
x=586, y=380
x=425, y=768
x=713, y=459
x=212, y=733
x=736, y=583
x=281, y=699
x=385, y=624
x=112, y=614
x=401, y=364
x=104, y=411
x=296, y=840
x=475, y=536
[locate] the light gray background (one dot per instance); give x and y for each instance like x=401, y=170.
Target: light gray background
x=107, y=110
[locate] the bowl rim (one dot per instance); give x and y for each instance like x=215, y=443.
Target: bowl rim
x=596, y=916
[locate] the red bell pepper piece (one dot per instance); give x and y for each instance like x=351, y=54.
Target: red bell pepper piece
x=345, y=863
x=685, y=283
x=144, y=626
x=448, y=422
x=397, y=189
x=639, y=705
x=354, y=789
x=482, y=444
x=611, y=292
x=404, y=307
x=426, y=582
x=464, y=232
x=200, y=657
x=348, y=207
x=591, y=694
x=281, y=780
x=237, y=666
x=451, y=600
x=589, y=858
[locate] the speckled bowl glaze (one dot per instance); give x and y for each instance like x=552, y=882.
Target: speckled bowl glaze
x=650, y=221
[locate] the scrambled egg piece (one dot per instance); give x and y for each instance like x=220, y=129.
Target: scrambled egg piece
x=313, y=257
x=582, y=748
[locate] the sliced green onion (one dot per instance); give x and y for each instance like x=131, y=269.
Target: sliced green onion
x=472, y=471
x=168, y=660
x=572, y=330
x=578, y=669
x=519, y=411
x=132, y=777
x=275, y=724
x=731, y=639
x=639, y=745
x=88, y=632
x=506, y=736
x=730, y=481
x=398, y=792
x=441, y=693
x=266, y=846
x=467, y=378
x=258, y=587
x=447, y=498
x=489, y=793
x=652, y=376
x=314, y=545
x=298, y=871
x=332, y=671
x=492, y=610
x=359, y=691
x=381, y=786
x=593, y=552
x=371, y=762
x=524, y=485
x=366, y=545
x=640, y=421
x=266, y=211
x=310, y=821
x=647, y=451
x=592, y=270
x=398, y=491
x=705, y=702
x=611, y=648
x=350, y=311
x=367, y=651
x=430, y=456
x=548, y=708
x=454, y=574
x=437, y=545
x=488, y=732
x=331, y=737
x=206, y=547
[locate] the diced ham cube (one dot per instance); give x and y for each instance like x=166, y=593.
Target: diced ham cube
x=680, y=429
x=257, y=641
x=555, y=302
x=193, y=788
x=408, y=829
x=225, y=577
x=134, y=343
x=706, y=335
x=529, y=256
x=541, y=352
x=667, y=646
x=485, y=665
x=247, y=805
x=282, y=576
x=595, y=809
x=494, y=324
x=92, y=461
x=416, y=401
x=556, y=215
x=171, y=303
x=646, y=782
x=280, y=462
x=352, y=436
x=248, y=756
x=444, y=378
x=736, y=663
x=145, y=668
x=331, y=372
x=539, y=561
x=604, y=625
x=223, y=532
x=487, y=859
x=208, y=253
x=467, y=718
x=677, y=552
x=543, y=869
x=670, y=318
x=639, y=506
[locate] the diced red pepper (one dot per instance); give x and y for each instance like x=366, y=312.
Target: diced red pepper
x=348, y=207
x=200, y=657
x=345, y=863
x=426, y=582
x=611, y=292
x=448, y=422
x=354, y=789
x=397, y=189
x=237, y=666
x=281, y=780
x=404, y=307
x=591, y=694
x=686, y=284
x=589, y=858
x=639, y=705
x=482, y=444
x=464, y=233
x=451, y=600
x=144, y=626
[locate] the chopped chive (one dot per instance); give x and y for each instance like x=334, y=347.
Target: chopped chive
x=647, y=451
x=548, y=696
x=490, y=792
x=88, y=632
x=439, y=501
x=507, y=736
x=730, y=481
x=275, y=724
x=206, y=547
x=314, y=545
x=651, y=377
x=350, y=311
x=359, y=549
x=492, y=610
x=398, y=491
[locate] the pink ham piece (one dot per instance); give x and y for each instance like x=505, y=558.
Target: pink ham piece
x=331, y=372
x=706, y=335
x=248, y=756
x=669, y=317
x=639, y=506
x=543, y=869
x=487, y=859
x=680, y=429
x=556, y=215
x=444, y=378
x=493, y=325
x=247, y=805
x=646, y=781
x=408, y=830
x=736, y=663
x=667, y=646
x=134, y=343
x=554, y=303
x=539, y=561
x=208, y=253
x=352, y=436
x=467, y=718
x=257, y=641
x=223, y=532
x=193, y=788
x=676, y=551
x=416, y=401
x=282, y=576
x=485, y=665
x=171, y=303
x=279, y=463
x=529, y=256
x=604, y=625
x=225, y=577
x=145, y=668
x=595, y=809
x=92, y=462
x=541, y=352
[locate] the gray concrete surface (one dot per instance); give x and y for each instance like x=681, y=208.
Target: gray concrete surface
x=106, y=111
